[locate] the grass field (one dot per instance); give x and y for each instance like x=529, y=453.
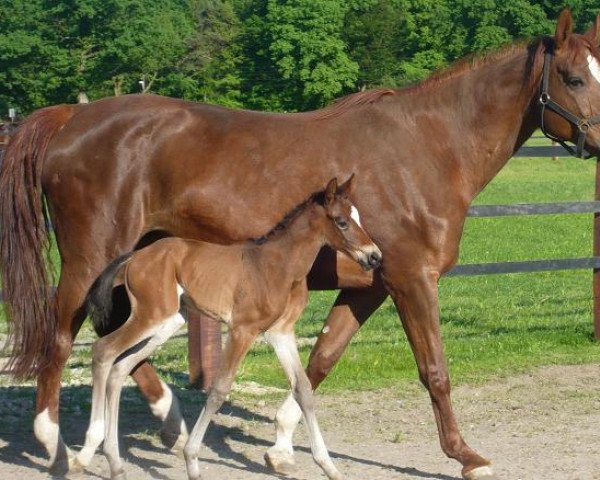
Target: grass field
x=492, y=325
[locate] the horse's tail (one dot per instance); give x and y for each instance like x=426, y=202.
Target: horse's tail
x=24, y=239
x=99, y=300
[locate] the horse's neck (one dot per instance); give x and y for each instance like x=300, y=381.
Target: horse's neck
x=288, y=257
x=483, y=115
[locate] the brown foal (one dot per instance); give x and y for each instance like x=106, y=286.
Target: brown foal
x=253, y=288
x=120, y=172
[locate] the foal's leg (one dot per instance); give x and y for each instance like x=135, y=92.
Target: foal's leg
x=134, y=345
x=239, y=342
x=287, y=352
x=351, y=310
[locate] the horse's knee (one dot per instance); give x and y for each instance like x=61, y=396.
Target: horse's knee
x=320, y=364
x=435, y=380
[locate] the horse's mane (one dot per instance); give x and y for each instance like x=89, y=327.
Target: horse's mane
x=535, y=49
x=317, y=197
x=343, y=104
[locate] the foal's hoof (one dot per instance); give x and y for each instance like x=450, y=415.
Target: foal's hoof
x=280, y=461
x=119, y=476
x=480, y=473
x=174, y=441
x=77, y=466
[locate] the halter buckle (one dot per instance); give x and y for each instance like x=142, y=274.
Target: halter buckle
x=544, y=98
x=583, y=125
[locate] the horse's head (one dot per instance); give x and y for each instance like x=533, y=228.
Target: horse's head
x=570, y=89
x=341, y=224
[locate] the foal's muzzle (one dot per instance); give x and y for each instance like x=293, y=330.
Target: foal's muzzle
x=370, y=258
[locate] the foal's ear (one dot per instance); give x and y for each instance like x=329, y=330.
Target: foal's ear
x=330, y=190
x=593, y=33
x=564, y=27
x=347, y=187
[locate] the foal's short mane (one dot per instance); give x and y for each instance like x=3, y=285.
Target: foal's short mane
x=317, y=197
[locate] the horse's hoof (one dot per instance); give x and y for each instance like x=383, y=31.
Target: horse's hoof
x=63, y=463
x=174, y=441
x=280, y=461
x=480, y=473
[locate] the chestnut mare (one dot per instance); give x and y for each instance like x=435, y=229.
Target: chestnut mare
x=254, y=288
x=125, y=170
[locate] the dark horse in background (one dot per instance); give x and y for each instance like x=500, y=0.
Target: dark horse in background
x=124, y=170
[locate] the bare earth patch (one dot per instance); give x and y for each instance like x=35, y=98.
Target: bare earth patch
x=541, y=426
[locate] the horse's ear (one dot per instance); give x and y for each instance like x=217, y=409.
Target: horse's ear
x=347, y=187
x=564, y=27
x=330, y=191
x=594, y=31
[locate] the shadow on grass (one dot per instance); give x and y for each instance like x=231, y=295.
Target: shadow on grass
x=18, y=446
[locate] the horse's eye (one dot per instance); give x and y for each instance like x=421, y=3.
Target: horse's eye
x=575, y=82
x=341, y=223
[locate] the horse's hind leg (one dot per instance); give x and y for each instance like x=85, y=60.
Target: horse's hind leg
x=287, y=352
x=70, y=296
x=163, y=404
x=239, y=342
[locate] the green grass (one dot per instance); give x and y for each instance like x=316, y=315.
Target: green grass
x=492, y=326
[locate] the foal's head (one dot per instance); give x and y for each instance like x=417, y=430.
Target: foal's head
x=341, y=225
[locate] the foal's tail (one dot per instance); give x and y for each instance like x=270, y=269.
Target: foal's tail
x=99, y=300
x=28, y=300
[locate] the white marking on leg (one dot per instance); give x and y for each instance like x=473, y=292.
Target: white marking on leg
x=480, y=473
x=180, y=291
x=93, y=438
x=354, y=215
x=162, y=406
x=286, y=421
x=46, y=431
x=167, y=410
x=594, y=67
x=287, y=353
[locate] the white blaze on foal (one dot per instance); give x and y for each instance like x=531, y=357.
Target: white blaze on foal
x=355, y=216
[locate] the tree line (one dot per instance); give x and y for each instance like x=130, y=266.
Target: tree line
x=283, y=55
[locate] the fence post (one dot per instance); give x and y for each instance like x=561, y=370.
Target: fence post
x=204, y=349
x=596, y=280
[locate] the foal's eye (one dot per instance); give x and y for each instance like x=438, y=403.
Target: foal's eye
x=575, y=82
x=341, y=223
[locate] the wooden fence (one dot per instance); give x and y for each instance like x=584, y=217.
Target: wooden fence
x=204, y=334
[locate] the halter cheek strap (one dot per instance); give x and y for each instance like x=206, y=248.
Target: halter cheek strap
x=582, y=124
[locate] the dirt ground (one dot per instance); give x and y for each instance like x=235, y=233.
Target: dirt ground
x=542, y=426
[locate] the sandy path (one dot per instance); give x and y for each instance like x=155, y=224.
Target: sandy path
x=541, y=426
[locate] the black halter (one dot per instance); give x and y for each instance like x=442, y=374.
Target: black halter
x=582, y=124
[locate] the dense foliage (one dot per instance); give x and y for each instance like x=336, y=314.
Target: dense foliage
x=267, y=54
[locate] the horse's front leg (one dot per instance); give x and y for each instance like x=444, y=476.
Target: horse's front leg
x=350, y=311
x=416, y=299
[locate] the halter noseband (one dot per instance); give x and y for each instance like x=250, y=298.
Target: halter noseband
x=582, y=124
